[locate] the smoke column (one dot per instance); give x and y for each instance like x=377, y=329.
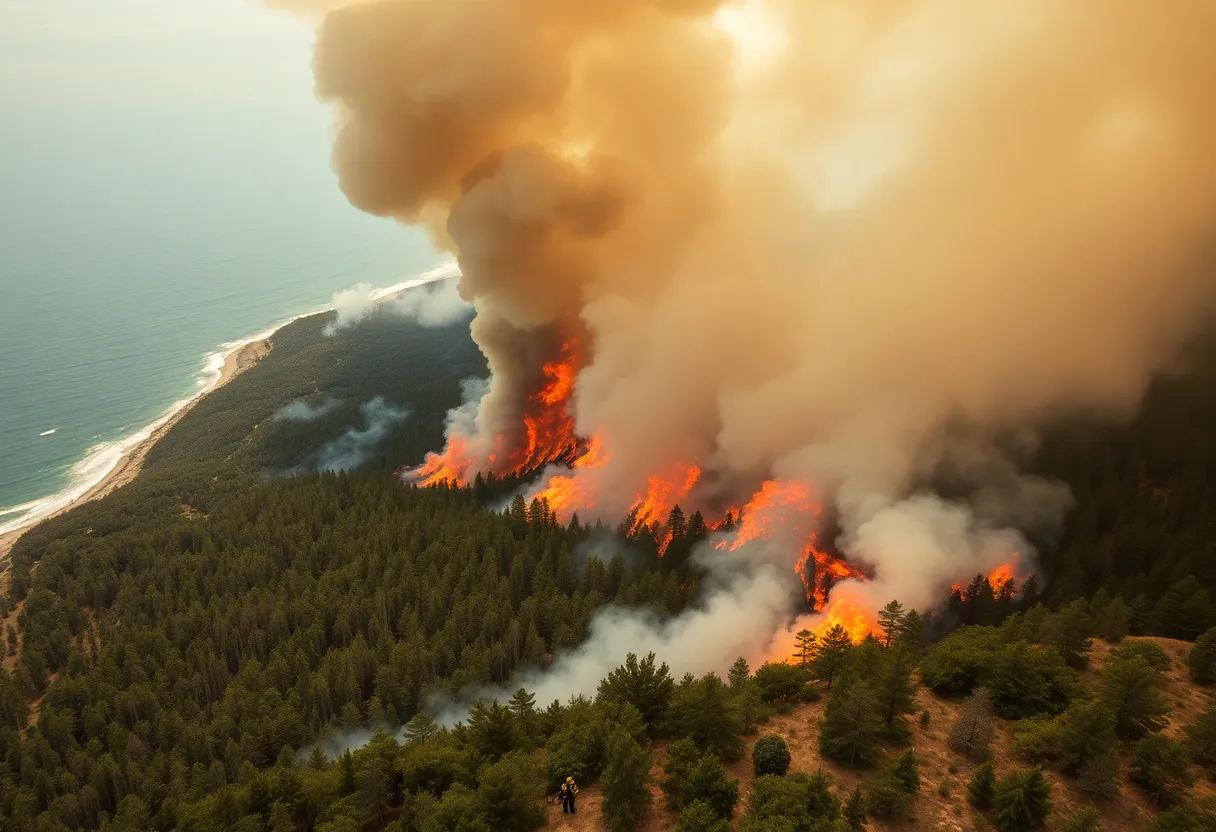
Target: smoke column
x=794, y=239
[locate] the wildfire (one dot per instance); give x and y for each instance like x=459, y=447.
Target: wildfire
x=997, y=578
x=825, y=565
x=775, y=502
x=448, y=466
x=548, y=432
x=662, y=493
x=853, y=617
x=792, y=506
x=785, y=512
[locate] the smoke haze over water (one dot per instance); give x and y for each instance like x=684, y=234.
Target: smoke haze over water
x=797, y=238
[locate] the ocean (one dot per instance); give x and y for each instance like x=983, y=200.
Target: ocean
x=157, y=203
x=100, y=339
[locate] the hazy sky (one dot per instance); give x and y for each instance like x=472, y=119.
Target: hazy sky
x=98, y=93
x=134, y=123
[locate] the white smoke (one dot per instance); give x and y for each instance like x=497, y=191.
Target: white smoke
x=351, y=305
x=748, y=594
x=355, y=446
x=302, y=411
x=432, y=300
x=436, y=305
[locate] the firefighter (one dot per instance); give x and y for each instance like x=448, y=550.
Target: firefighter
x=568, y=791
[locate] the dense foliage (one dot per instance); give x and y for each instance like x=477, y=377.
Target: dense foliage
x=182, y=645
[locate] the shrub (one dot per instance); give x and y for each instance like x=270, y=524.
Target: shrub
x=699, y=816
x=770, y=755
x=1088, y=819
x=1146, y=649
x=779, y=681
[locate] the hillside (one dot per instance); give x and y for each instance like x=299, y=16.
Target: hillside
x=177, y=647
x=942, y=801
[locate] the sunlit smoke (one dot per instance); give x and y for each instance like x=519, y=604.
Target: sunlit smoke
x=797, y=242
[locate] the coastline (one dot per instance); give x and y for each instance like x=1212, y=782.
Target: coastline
x=220, y=367
x=235, y=361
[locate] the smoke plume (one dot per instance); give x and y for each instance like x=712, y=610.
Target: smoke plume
x=355, y=447
x=431, y=301
x=302, y=411
x=797, y=240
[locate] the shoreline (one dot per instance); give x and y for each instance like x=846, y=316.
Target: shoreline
x=235, y=361
x=220, y=367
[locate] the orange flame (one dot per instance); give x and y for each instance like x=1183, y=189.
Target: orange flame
x=662, y=494
x=825, y=564
x=561, y=384
x=997, y=577
x=449, y=465
x=852, y=616
x=775, y=502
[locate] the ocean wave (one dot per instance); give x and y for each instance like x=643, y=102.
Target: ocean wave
x=101, y=459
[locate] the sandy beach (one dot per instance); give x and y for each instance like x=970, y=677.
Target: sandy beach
x=130, y=462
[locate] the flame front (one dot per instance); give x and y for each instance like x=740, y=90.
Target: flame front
x=783, y=513
x=663, y=494
x=448, y=466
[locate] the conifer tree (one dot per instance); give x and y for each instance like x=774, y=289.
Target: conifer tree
x=493, y=730
x=1116, y=621
x=523, y=707
x=1022, y=801
x=705, y=710
x=1131, y=688
x=891, y=620
x=642, y=684
x=1085, y=819
x=739, y=673
x=1071, y=632
x=832, y=656
x=851, y=724
x=699, y=816
x=914, y=631
x=982, y=787
x=1086, y=733
x=804, y=649
x=906, y=772
x=895, y=690
x=625, y=779
x=855, y=810
x=1201, y=739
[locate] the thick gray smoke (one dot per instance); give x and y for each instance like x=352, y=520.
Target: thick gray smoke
x=357, y=445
